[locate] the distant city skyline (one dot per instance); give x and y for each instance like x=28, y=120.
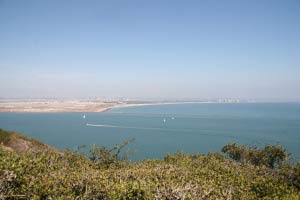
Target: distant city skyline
x=150, y=49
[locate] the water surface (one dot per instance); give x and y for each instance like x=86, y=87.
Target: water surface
x=161, y=129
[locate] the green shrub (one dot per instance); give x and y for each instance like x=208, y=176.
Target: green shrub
x=291, y=174
x=106, y=157
x=5, y=136
x=275, y=155
x=270, y=156
x=53, y=174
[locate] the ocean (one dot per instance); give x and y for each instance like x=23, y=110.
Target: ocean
x=161, y=129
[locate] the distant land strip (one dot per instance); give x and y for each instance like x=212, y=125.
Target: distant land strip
x=70, y=106
x=60, y=106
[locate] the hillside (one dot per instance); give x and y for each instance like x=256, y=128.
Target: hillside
x=30, y=169
x=13, y=141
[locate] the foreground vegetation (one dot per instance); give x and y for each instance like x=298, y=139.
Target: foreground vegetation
x=37, y=171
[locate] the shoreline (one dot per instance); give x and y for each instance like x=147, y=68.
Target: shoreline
x=152, y=104
x=83, y=106
x=72, y=106
x=61, y=107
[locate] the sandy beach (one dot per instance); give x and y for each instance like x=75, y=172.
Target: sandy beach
x=72, y=106
x=60, y=106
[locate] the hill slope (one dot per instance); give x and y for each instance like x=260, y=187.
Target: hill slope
x=40, y=172
x=13, y=141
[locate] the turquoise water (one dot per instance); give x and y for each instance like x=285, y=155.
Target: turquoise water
x=161, y=129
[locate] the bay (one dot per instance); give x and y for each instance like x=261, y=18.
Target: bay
x=161, y=129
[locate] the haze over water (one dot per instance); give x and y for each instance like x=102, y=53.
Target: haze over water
x=161, y=129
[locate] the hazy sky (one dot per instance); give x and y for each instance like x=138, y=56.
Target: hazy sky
x=150, y=49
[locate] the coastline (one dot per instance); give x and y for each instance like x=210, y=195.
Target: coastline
x=54, y=106
x=71, y=106
x=78, y=106
x=150, y=104
x=64, y=106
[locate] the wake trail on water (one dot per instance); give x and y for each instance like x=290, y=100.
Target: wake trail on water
x=160, y=129
x=135, y=127
x=171, y=130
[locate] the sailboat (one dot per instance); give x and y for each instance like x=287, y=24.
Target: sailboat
x=83, y=116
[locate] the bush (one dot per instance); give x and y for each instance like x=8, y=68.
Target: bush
x=5, y=136
x=275, y=155
x=106, y=157
x=269, y=156
x=291, y=174
x=53, y=174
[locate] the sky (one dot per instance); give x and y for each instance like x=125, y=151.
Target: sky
x=248, y=49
